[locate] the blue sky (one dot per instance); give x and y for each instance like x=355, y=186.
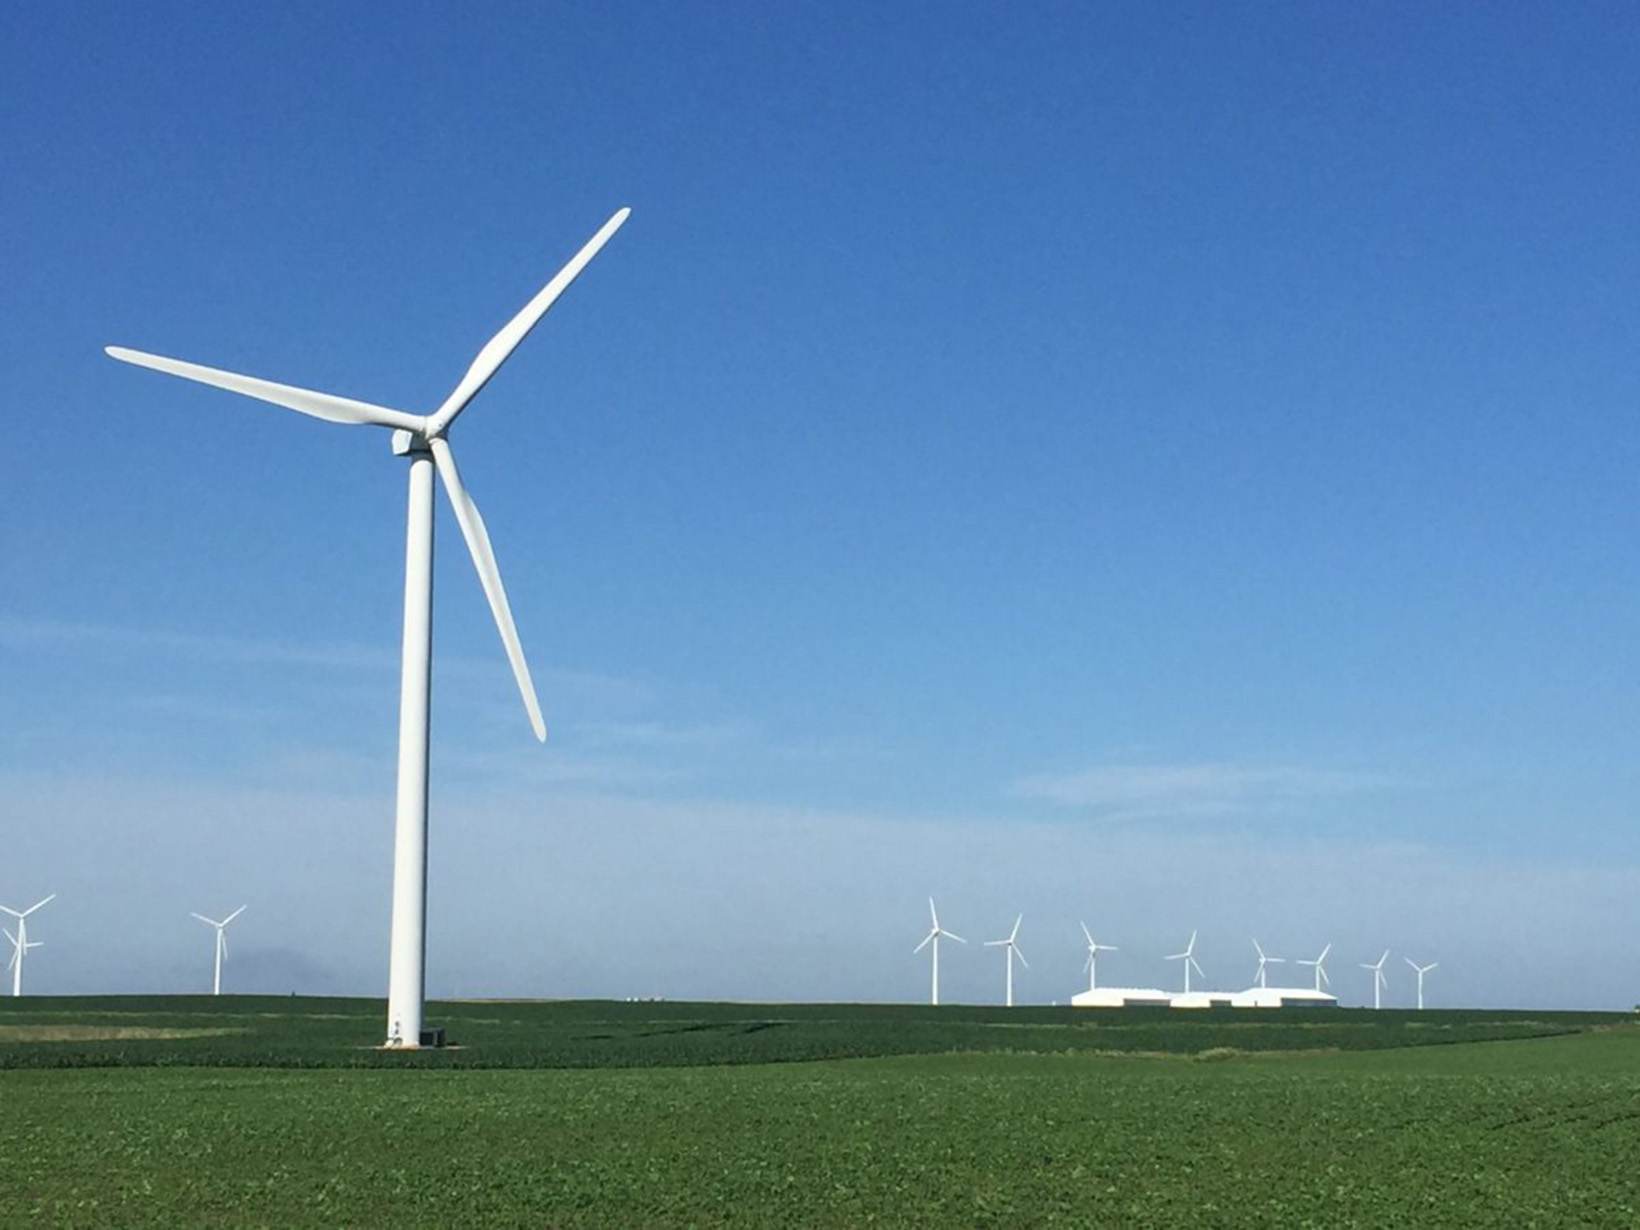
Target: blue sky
x=1167, y=466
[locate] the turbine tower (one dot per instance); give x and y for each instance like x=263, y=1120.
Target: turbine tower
x=1320, y=964
x=1188, y=956
x=1422, y=970
x=933, y=937
x=221, y=945
x=1379, y=982
x=1264, y=960
x=423, y=441
x=20, y=943
x=1093, y=957
x=1012, y=945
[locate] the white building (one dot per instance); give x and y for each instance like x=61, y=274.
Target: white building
x=1253, y=997
x=1122, y=997
x=1282, y=997
x=1204, y=999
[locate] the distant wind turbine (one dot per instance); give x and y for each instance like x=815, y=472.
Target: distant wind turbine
x=423, y=440
x=933, y=937
x=221, y=944
x=1379, y=982
x=1094, y=950
x=1421, y=970
x=1265, y=960
x=1188, y=956
x=1378, y=978
x=1012, y=945
x=20, y=943
x=1320, y=964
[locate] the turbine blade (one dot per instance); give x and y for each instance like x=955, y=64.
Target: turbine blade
x=924, y=943
x=1088, y=934
x=319, y=405
x=489, y=576
x=932, y=916
x=1430, y=966
x=499, y=347
x=233, y=916
x=1020, y=953
x=38, y=904
x=9, y=935
x=952, y=935
x=203, y=919
x=1014, y=934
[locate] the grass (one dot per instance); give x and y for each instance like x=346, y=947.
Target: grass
x=271, y=1031
x=1542, y=1127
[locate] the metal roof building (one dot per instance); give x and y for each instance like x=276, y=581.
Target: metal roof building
x=1253, y=997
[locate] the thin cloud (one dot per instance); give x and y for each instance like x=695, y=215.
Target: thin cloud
x=48, y=633
x=33, y=634
x=1136, y=791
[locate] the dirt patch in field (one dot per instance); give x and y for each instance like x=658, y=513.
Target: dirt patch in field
x=101, y=1033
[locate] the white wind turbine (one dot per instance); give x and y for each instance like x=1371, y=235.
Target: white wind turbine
x=1379, y=982
x=1093, y=957
x=1264, y=960
x=933, y=937
x=422, y=439
x=221, y=944
x=1012, y=945
x=1421, y=970
x=1320, y=964
x=20, y=943
x=1188, y=956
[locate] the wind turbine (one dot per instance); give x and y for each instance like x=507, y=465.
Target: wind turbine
x=933, y=937
x=1264, y=960
x=423, y=440
x=221, y=944
x=1422, y=970
x=1011, y=944
x=1320, y=964
x=20, y=943
x=1379, y=982
x=1188, y=956
x=1093, y=957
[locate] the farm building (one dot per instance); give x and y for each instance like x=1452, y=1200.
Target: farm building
x=1253, y=997
x=1283, y=997
x=1204, y=999
x=1122, y=997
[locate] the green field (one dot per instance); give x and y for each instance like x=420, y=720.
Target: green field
x=279, y=1112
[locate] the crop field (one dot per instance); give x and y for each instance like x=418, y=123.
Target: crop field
x=246, y=1111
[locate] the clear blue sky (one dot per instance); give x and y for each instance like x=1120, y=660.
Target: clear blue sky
x=1171, y=466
